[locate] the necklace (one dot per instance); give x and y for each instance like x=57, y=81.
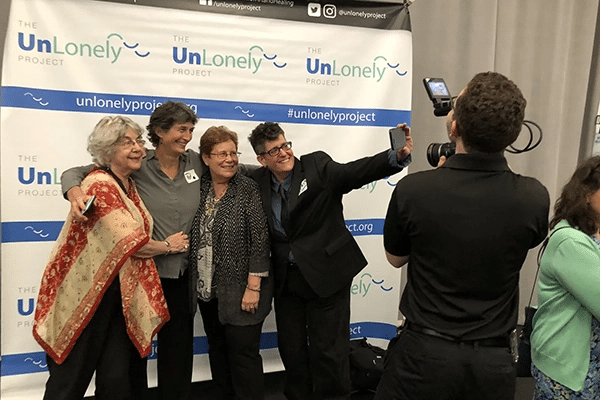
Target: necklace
x=219, y=193
x=212, y=199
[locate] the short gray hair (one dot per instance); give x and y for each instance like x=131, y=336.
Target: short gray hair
x=107, y=132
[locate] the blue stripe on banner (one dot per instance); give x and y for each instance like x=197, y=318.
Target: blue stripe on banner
x=61, y=100
x=28, y=363
x=47, y=231
x=365, y=227
x=375, y=330
x=31, y=231
x=24, y=363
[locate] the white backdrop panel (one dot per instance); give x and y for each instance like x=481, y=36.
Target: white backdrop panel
x=334, y=83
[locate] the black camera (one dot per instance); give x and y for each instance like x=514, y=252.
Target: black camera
x=440, y=96
x=436, y=150
x=442, y=104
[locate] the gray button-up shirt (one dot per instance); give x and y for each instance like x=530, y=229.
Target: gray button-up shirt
x=172, y=203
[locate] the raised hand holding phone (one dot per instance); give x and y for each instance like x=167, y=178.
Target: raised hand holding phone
x=397, y=138
x=401, y=141
x=89, y=205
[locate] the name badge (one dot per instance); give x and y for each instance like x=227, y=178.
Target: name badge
x=303, y=187
x=190, y=176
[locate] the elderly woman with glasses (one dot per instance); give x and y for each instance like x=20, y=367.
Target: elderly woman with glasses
x=100, y=301
x=169, y=185
x=229, y=265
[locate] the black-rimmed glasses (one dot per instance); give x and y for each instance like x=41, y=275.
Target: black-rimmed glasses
x=275, y=150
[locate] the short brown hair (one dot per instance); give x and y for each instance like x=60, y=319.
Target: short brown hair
x=166, y=115
x=215, y=135
x=489, y=113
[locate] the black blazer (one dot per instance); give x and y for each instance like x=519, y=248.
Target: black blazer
x=240, y=246
x=324, y=249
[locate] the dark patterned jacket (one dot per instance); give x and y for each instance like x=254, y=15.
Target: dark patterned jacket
x=240, y=246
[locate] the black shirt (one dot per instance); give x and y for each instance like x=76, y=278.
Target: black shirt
x=467, y=227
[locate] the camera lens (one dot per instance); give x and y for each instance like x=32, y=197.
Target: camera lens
x=436, y=150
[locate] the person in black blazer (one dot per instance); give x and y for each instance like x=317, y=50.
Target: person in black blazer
x=314, y=255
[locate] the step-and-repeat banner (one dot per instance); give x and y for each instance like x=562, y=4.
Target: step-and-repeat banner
x=335, y=77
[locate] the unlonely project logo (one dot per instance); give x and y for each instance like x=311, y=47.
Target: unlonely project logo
x=109, y=49
x=250, y=60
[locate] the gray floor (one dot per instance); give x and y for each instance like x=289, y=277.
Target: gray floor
x=274, y=385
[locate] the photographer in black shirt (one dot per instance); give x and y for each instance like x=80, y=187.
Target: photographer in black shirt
x=464, y=229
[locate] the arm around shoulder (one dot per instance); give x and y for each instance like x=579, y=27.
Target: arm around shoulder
x=258, y=229
x=73, y=177
x=70, y=184
x=247, y=169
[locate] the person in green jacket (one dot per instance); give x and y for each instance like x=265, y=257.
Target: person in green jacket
x=565, y=344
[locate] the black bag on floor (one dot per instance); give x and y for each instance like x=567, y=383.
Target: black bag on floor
x=366, y=364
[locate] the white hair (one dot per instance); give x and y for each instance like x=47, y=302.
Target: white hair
x=107, y=132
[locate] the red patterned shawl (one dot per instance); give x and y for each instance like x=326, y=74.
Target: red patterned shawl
x=85, y=260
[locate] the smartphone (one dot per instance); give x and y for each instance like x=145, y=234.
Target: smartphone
x=436, y=89
x=89, y=205
x=397, y=138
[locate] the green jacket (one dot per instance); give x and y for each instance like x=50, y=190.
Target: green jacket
x=568, y=297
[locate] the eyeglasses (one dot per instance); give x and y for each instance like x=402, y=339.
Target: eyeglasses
x=223, y=154
x=275, y=150
x=128, y=143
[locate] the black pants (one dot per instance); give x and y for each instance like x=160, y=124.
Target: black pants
x=104, y=347
x=313, y=335
x=421, y=367
x=234, y=355
x=176, y=342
